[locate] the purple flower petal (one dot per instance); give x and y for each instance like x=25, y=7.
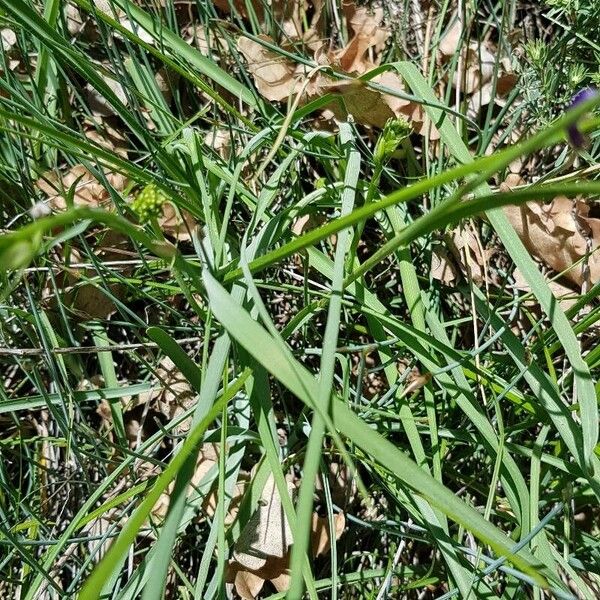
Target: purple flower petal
x=582, y=95
x=576, y=138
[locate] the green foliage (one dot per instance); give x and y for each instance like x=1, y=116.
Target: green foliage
x=148, y=204
x=302, y=334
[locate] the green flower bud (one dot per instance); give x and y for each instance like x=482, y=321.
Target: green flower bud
x=149, y=202
x=393, y=133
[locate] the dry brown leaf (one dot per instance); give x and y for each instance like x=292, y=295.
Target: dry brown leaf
x=240, y=7
x=288, y=15
x=166, y=80
x=107, y=137
x=98, y=104
x=369, y=32
x=451, y=40
x=267, y=533
x=277, y=77
x=208, y=457
x=88, y=300
x=469, y=254
x=566, y=296
x=88, y=190
x=262, y=551
x=466, y=252
x=560, y=233
x=342, y=485
x=442, y=267
x=220, y=141
x=177, y=223
x=477, y=65
x=207, y=40
x=172, y=396
x=274, y=75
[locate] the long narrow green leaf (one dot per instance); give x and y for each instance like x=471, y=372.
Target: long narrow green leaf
x=584, y=386
x=297, y=379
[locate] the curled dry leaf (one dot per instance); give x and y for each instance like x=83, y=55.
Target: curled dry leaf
x=207, y=462
x=560, y=233
x=566, y=296
x=208, y=457
x=464, y=250
x=220, y=141
x=172, y=396
x=442, y=267
x=11, y=52
x=263, y=550
x=277, y=78
x=86, y=189
x=475, y=78
x=98, y=104
x=177, y=223
x=297, y=20
x=88, y=300
x=107, y=137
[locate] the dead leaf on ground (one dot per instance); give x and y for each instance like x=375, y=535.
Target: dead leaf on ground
x=86, y=189
x=220, y=140
x=566, y=296
x=262, y=552
x=88, y=300
x=477, y=64
x=98, y=104
x=277, y=78
x=462, y=252
x=559, y=233
x=208, y=457
x=442, y=267
x=106, y=136
x=177, y=223
x=172, y=396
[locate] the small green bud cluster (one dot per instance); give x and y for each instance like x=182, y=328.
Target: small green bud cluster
x=393, y=133
x=149, y=202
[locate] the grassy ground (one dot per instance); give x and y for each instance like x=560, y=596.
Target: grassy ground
x=220, y=273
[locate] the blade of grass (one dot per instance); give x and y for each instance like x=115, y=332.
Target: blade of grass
x=298, y=380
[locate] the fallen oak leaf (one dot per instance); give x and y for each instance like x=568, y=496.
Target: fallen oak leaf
x=262, y=552
x=86, y=190
x=560, y=233
x=274, y=74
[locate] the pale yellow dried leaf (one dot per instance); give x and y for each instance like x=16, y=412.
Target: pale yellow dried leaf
x=560, y=233
x=177, y=223
x=566, y=296
x=267, y=533
x=288, y=14
x=171, y=396
x=442, y=268
x=98, y=104
x=220, y=141
x=469, y=254
x=107, y=137
x=248, y=582
x=274, y=75
x=88, y=191
x=208, y=457
x=451, y=40
x=8, y=38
